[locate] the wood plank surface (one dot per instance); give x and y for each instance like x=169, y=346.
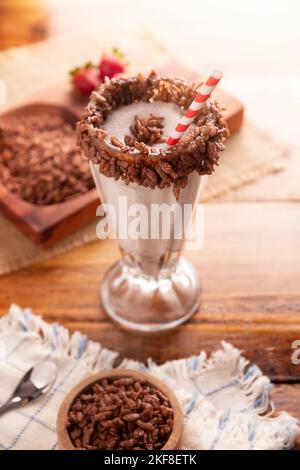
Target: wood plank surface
x=250, y=263
x=251, y=296
x=250, y=267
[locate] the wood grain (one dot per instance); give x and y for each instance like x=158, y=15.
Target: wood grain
x=22, y=22
x=250, y=267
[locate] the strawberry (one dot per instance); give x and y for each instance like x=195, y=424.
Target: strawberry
x=85, y=79
x=112, y=64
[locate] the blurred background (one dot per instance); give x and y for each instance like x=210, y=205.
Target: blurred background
x=256, y=44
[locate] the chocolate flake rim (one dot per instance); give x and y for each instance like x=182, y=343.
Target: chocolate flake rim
x=151, y=167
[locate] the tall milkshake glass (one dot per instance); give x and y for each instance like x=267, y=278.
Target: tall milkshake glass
x=152, y=193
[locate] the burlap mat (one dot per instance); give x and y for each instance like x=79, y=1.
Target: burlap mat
x=249, y=154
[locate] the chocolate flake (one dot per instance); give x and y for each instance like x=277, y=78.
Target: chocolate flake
x=120, y=414
x=197, y=151
x=148, y=130
x=39, y=160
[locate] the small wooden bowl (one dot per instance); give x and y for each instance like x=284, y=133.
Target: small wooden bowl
x=64, y=441
x=47, y=224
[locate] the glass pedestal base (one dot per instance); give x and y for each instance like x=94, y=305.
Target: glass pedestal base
x=146, y=304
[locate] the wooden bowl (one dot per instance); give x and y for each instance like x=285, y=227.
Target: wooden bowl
x=48, y=224
x=64, y=440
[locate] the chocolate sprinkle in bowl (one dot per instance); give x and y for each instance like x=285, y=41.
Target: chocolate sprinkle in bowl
x=39, y=160
x=120, y=409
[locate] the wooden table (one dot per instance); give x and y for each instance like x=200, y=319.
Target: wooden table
x=250, y=264
x=250, y=267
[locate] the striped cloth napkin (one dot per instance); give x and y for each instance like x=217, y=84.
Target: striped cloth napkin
x=224, y=398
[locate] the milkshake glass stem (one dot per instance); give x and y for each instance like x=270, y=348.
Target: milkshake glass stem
x=152, y=288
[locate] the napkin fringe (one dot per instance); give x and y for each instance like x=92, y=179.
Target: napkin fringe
x=254, y=385
x=255, y=426
x=228, y=362
x=249, y=377
x=55, y=336
x=225, y=399
x=227, y=429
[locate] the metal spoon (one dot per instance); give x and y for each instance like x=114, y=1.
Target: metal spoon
x=36, y=382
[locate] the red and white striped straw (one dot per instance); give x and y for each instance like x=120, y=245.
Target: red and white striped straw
x=202, y=96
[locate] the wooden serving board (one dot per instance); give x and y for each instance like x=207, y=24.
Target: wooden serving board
x=48, y=224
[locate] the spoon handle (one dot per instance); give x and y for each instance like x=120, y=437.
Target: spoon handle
x=7, y=407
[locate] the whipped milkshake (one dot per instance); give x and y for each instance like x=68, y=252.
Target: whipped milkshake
x=123, y=133
x=119, y=121
x=149, y=255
